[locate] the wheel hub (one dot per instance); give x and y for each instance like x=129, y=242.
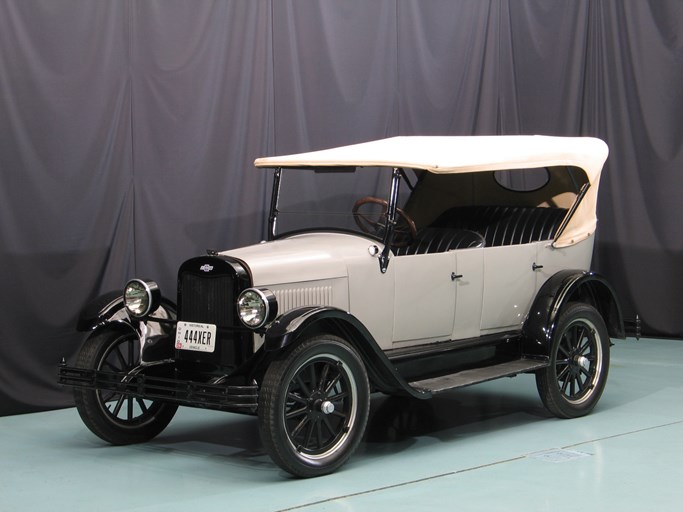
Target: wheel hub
x=576, y=363
x=317, y=405
x=327, y=407
x=582, y=362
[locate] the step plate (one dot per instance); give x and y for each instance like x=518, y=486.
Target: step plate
x=469, y=377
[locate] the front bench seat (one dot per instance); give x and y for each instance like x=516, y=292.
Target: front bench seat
x=431, y=240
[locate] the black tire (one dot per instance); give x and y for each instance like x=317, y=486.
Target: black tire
x=313, y=406
x=579, y=363
x=116, y=418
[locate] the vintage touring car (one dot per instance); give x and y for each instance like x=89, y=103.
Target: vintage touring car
x=407, y=266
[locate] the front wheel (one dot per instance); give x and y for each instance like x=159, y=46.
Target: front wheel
x=116, y=418
x=579, y=362
x=313, y=406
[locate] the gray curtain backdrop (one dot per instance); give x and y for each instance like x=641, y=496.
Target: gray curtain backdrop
x=128, y=129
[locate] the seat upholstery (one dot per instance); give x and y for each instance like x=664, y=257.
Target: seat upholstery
x=504, y=225
x=432, y=240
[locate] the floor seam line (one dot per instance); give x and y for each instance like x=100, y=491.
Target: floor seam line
x=678, y=422
x=402, y=484
x=466, y=470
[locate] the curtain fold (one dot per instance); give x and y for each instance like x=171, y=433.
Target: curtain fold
x=128, y=131
x=640, y=103
x=65, y=165
x=334, y=71
x=201, y=115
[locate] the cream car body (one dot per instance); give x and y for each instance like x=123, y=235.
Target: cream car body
x=398, y=307
x=458, y=265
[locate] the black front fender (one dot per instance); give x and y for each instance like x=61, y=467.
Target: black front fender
x=101, y=310
x=299, y=323
x=288, y=327
x=564, y=287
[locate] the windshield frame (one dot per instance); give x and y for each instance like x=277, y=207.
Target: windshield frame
x=391, y=216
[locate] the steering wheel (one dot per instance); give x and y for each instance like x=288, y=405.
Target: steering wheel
x=404, y=231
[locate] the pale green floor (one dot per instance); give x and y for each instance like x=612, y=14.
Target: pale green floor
x=489, y=447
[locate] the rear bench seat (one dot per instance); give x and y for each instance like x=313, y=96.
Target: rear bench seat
x=504, y=225
x=490, y=226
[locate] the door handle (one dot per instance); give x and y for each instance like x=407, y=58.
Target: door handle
x=535, y=267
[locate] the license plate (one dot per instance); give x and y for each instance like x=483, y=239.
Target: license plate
x=195, y=336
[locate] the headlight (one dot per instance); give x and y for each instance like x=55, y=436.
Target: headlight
x=141, y=297
x=256, y=307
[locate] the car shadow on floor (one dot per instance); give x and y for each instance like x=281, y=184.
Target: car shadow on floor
x=396, y=422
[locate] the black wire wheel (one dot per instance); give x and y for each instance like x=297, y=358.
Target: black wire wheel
x=116, y=418
x=313, y=406
x=579, y=363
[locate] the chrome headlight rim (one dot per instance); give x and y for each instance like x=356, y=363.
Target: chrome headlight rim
x=141, y=297
x=256, y=307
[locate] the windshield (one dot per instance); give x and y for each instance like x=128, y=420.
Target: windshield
x=353, y=200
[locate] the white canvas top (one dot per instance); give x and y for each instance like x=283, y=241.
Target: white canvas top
x=463, y=154
x=457, y=154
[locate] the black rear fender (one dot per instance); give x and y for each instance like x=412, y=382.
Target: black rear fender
x=563, y=288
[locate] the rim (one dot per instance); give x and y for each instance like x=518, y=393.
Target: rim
x=320, y=409
x=124, y=410
x=578, y=361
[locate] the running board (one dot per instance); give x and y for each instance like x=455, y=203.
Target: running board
x=474, y=376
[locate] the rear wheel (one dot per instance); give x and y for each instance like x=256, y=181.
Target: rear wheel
x=116, y=418
x=313, y=406
x=579, y=362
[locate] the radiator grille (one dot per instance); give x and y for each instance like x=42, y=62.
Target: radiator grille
x=207, y=299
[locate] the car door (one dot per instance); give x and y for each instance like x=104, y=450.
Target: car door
x=509, y=286
x=424, y=297
x=550, y=260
